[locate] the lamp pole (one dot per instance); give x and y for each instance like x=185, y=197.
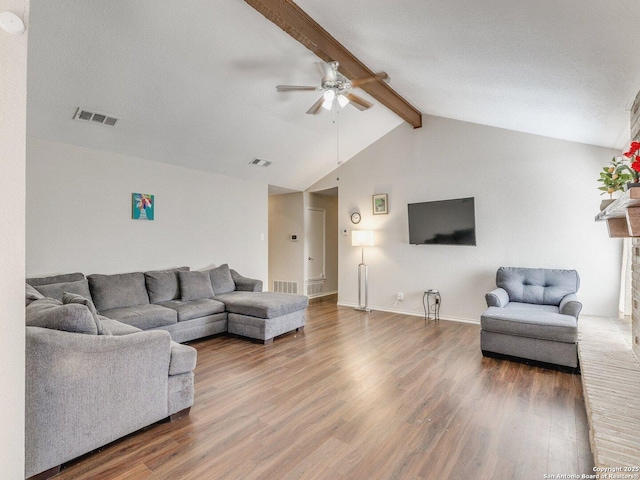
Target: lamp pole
x=362, y=239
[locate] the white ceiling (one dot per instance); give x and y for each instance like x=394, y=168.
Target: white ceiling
x=194, y=82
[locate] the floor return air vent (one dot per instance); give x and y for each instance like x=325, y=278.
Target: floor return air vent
x=285, y=287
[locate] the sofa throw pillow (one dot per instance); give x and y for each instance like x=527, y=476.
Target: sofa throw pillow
x=162, y=285
x=32, y=294
x=221, y=280
x=50, y=313
x=55, y=290
x=68, y=298
x=195, y=285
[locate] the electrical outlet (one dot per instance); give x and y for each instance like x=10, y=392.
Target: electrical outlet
x=400, y=296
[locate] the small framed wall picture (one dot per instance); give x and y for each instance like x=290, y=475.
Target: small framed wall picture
x=380, y=204
x=142, y=206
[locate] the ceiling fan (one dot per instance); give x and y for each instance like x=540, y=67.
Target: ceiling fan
x=336, y=87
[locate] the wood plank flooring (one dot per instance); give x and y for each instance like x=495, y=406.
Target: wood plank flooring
x=360, y=396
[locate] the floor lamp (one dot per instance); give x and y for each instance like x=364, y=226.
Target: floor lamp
x=362, y=238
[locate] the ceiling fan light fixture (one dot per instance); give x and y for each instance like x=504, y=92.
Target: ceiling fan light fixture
x=328, y=96
x=335, y=86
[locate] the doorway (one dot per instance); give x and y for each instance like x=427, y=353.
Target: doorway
x=321, y=276
x=316, y=250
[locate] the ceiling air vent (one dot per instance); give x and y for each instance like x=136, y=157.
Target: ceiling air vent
x=101, y=118
x=259, y=162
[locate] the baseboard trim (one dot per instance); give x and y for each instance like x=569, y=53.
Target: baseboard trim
x=323, y=294
x=410, y=313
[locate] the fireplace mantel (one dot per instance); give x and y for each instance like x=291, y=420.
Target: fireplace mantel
x=623, y=215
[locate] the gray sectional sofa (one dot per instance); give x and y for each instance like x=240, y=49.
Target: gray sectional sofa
x=533, y=316
x=103, y=358
x=187, y=304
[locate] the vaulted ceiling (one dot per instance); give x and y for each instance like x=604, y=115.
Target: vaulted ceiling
x=194, y=82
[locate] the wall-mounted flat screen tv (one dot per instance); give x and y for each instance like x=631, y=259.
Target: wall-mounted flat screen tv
x=444, y=222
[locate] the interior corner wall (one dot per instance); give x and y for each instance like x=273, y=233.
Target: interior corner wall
x=286, y=257
x=13, y=126
x=330, y=206
x=535, y=200
x=79, y=205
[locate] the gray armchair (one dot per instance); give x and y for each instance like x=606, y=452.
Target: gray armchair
x=533, y=317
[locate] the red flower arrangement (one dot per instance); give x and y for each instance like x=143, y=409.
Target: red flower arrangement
x=634, y=158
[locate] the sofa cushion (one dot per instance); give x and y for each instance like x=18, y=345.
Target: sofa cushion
x=143, y=316
x=263, y=304
x=221, y=279
x=162, y=285
x=531, y=323
x=195, y=285
x=50, y=313
x=31, y=294
x=118, y=291
x=68, y=298
x=537, y=285
x=530, y=307
x=67, y=277
x=195, y=308
x=55, y=290
x=117, y=328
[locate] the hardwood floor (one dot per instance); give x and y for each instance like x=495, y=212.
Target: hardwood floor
x=360, y=396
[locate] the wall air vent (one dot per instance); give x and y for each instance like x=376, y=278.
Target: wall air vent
x=101, y=118
x=285, y=287
x=259, y=162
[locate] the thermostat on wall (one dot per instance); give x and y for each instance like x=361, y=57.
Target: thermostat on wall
x=294, y=238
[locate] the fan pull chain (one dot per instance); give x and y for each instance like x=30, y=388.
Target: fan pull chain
x=335, y=121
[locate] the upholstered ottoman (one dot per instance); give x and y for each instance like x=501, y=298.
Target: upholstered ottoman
x=534, y=332
x=264, y=315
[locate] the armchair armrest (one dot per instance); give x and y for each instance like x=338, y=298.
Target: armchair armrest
x=570, y=305
x=183, y=359
x=245, y=284
x=497, y=298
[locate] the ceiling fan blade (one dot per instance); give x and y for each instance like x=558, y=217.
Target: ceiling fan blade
x=358, y=102
x=316, y=107
x=288, y=88
x=328, y=73
x=362, y=81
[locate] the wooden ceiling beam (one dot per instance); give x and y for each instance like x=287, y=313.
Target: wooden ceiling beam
x=294, y=21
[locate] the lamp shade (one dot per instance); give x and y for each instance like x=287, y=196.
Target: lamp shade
x=362, y=238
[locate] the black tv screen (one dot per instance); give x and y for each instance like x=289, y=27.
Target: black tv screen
x=444, y=222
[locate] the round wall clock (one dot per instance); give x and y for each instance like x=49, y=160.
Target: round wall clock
x=355, y=217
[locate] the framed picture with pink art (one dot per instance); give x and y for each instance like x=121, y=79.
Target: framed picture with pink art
x=380, y=204
x=142, y=206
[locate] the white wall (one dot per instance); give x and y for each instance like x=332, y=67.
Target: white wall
x=535, y=198
x=79, y=215
x=13, y=109
x=286, y=258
